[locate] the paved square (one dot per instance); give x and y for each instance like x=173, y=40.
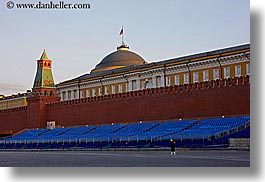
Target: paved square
x=215, y=158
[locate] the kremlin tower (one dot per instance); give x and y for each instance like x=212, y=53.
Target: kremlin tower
x=43, y=92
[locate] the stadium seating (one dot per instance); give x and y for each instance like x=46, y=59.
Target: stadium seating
x=211, y=127
x=145, y=134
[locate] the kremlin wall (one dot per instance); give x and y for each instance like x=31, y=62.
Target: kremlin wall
x=210, y=84
x=220, y=98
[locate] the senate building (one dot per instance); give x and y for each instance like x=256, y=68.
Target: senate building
x=124, y=71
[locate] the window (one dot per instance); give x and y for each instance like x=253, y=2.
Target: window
x=120, y=88
x=158, y=81
x=176, y=79
x=69, y=94
x=186, y=78
x=113, y=89
x=247, y=69
x=82, y=93
x=93, y=92
x=75, y=94
x=87, y=93
x=195, y=77
x=238, y=70
x=216, y=74
x=64, y=96
x=134, y=87
x=143, y=84
x=126, y=87
x=100, y=91
x=106, y=90
x=168, y=81
x=147, y=84
x=205, y=75
x=226, y=72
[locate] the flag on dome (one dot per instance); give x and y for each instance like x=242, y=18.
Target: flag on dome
x=121, y=32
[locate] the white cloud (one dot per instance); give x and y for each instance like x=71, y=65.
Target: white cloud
x=9, y=89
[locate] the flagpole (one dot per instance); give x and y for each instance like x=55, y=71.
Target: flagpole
x=122, y=36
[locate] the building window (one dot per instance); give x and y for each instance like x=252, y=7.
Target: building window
x=106, y=90
x=64, y=96
x=195, y=77
x=247, y=69
x=93, y=92
x=205, y=75
x=147, y=84
x=216, y=74
x=100, y=91
x=120, y=88
x=238, y=70
x=69, y=94
x=75, y=94
x=142, y=86
x=87, y=93
x=82, y=93
x=186, y=78
x=226, y=72
x=168, y=81
x=176, y=79
x=134, y=86
x=113, y=89
x=126, y=87
x=158, y=81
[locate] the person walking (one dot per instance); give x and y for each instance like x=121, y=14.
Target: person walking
x=172, y=147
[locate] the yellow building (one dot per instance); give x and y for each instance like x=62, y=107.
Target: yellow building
x=14, y=101
x=125, y=71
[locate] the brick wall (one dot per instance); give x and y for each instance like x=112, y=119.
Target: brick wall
x=227, y=97
x=13, y=120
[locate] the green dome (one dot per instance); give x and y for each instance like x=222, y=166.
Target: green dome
x=121, y=58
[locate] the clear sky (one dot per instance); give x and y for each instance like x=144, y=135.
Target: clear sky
x=76, y=40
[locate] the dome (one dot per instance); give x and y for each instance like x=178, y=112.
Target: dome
x=121, y=58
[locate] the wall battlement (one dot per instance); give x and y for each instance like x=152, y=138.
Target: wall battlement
x=230, y=82
x=228, y=97
x=23, y=108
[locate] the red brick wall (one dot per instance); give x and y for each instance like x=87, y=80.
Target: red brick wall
x=36, y=116
x=226, y=97
x=13, y=119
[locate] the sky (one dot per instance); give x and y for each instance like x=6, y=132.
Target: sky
x=77, y=40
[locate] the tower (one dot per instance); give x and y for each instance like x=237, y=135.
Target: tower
x=43, y=92
x=44, y=83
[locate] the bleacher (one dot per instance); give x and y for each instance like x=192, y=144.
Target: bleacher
x=208, y=128
x=151, y=134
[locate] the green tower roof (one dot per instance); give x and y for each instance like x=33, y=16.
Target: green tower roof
x=44, y=56
x=44, y=77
